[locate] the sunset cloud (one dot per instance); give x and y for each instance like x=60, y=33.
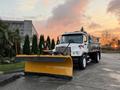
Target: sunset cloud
x=115, y=32
x=46, y=2
x=68, y=13
x=94, y=25
x=54, y=17
x=65, y=17
x=114, y=7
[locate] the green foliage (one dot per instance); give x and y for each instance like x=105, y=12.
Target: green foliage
x=48, y=43
x=5, y=43
x=3, y=25
x=11, y=67
x=41, y=44
x=9, y=41
x=52, y=44
x=34, y=45
x=26, y=46
x=17, y=41
x=14, y=37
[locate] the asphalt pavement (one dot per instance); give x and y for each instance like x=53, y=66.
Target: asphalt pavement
x=102, y=76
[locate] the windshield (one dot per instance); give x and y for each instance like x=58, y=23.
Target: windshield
x=74, y=38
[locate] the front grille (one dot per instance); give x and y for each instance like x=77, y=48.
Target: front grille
x=64, y=50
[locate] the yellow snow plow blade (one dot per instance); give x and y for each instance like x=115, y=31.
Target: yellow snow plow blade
x=48, y=64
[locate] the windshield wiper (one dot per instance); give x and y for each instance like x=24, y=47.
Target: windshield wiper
x=67, y=46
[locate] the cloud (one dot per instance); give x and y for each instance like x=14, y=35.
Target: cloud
x=27, y=5
x=65, y=17
x=114, y=32
x=46, y=2
x=68, y=13
x=114, y=7
x=94, y=25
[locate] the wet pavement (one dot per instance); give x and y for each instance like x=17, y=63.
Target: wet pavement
x=102, y=76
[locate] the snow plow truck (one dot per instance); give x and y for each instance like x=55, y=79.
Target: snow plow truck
x=74, y=49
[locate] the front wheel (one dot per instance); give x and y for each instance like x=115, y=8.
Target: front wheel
x=82, y=63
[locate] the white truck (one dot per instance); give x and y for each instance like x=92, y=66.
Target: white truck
x=82, y=47
x=75, y=48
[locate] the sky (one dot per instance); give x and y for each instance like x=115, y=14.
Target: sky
x=54, y=17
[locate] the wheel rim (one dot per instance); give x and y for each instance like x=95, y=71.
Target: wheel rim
x=84, y=62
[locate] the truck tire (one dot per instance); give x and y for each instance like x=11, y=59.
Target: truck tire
x=82, y=63
x=100, y=54
x=97, y=57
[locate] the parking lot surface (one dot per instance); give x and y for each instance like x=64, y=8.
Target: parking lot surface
x=102, y=76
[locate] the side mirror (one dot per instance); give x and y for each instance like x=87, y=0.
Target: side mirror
x=84, y=38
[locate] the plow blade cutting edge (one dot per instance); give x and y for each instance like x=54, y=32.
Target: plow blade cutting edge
x=48, y=64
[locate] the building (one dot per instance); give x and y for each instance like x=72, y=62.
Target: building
x=25, y=27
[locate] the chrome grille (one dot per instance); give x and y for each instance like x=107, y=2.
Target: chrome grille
x=67, y=51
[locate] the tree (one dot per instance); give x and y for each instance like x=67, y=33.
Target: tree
x=17, y=41
x=41, y=44
x=52, y=44
x=34, y=45
x=58, y=41
x=9, y=41
x=26, y=46
x=5, y=43
x=48, y=43
x=14, y=37
x=106, y=38
x=119, y=45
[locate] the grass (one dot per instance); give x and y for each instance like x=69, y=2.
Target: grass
x=11, y=67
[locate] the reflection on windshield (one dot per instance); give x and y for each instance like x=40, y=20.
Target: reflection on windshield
x=72, y=39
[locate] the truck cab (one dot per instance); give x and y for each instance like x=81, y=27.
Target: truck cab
x=82, y=47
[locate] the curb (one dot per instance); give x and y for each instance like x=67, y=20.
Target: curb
x=14, y=75
x=10, y=79
x=14, y=71
x=10, y=72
